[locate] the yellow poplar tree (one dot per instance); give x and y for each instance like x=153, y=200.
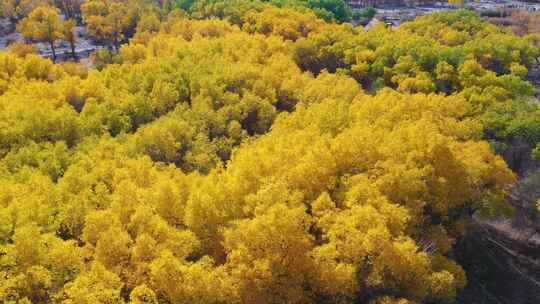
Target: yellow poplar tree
x=43, y=25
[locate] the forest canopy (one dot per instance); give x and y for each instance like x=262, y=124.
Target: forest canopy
x=247, y=152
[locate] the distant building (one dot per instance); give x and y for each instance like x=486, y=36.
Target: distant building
x=366, y=3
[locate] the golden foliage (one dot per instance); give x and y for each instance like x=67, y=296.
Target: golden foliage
x=286, y=160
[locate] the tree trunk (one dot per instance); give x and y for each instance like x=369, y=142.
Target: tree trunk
x=53, y=50
x=115, y=43
x=13, y=24
x=73, y=54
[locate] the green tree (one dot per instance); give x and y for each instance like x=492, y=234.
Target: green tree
x=338, y=8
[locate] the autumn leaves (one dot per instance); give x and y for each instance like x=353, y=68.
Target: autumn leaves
x=288, y=160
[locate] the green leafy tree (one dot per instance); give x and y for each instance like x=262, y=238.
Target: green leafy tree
x=339, y=9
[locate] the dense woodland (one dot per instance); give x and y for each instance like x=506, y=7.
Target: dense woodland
x=249, y=152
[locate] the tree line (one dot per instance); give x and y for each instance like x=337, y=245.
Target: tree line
x=113, y=22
